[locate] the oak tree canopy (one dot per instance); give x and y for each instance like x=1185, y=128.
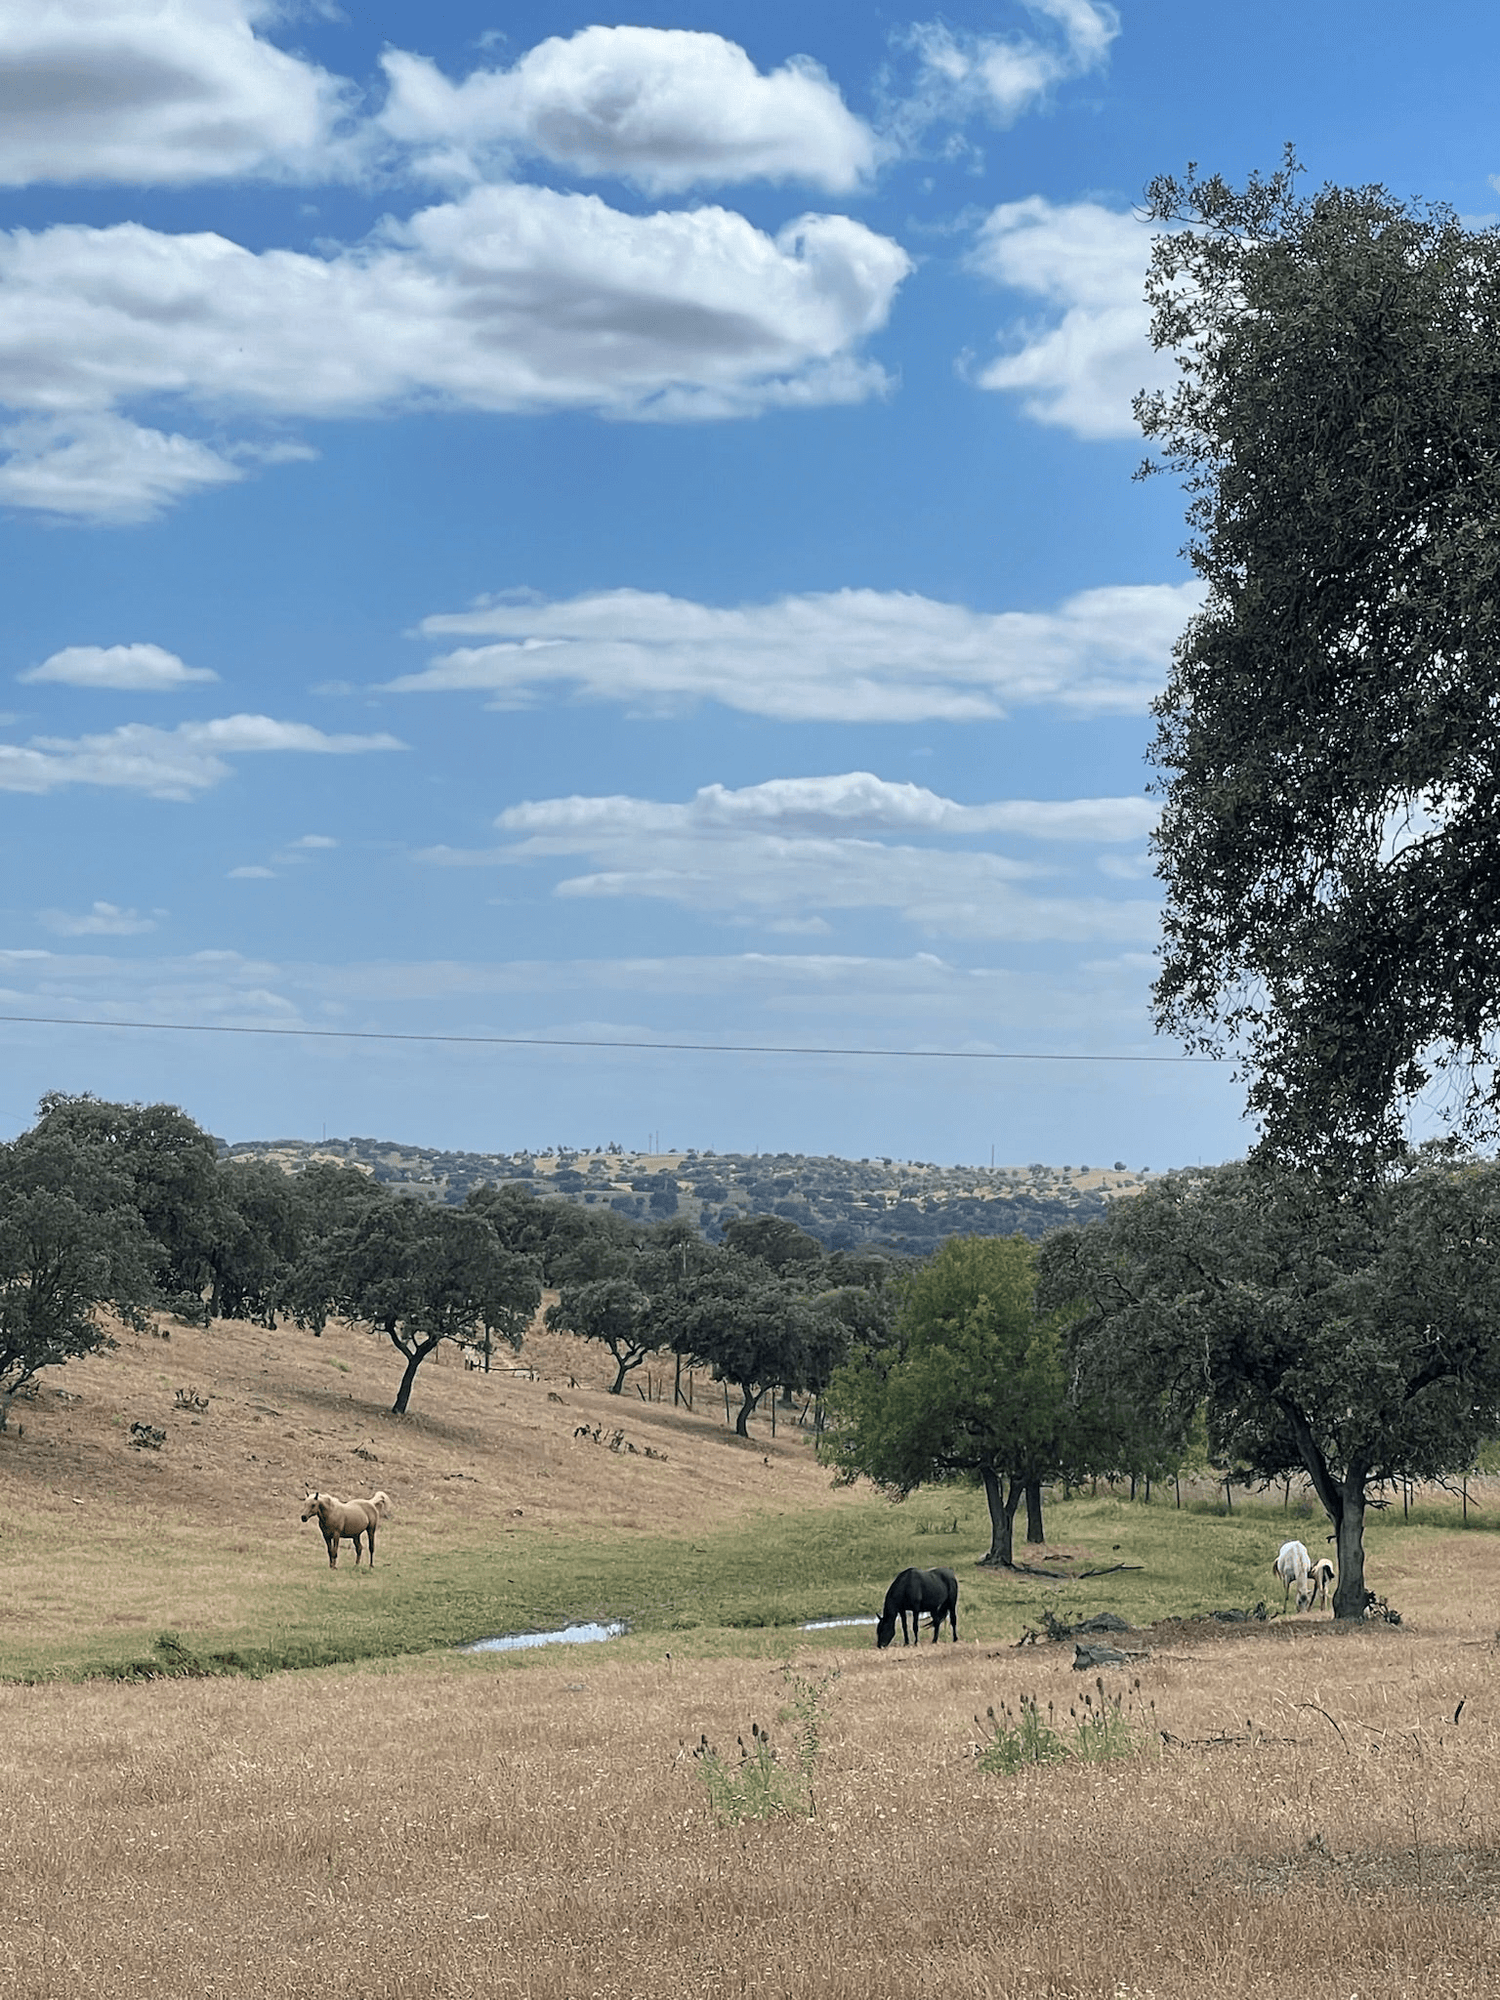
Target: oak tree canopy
x=1329, y=740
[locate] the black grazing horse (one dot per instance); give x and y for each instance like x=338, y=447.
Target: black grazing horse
x=934, y=1591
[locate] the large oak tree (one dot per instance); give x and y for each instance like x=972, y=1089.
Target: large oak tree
x=71, y=1241
x=1331, y=1323
x=1329, y=741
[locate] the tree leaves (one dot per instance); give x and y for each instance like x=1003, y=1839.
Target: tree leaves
x=1330, y=1324
x=1328, y=743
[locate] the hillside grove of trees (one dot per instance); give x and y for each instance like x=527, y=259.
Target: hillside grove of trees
x=130, y=1207
x=1280, y=1319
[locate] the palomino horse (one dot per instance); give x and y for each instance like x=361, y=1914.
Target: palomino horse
x=346, y=1520
x=934, y=1591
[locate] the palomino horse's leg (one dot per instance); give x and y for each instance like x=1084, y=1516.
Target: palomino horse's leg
x=370, y=1531
x=333, y=1549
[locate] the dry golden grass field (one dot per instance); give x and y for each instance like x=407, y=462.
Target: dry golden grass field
x=1309, y=1813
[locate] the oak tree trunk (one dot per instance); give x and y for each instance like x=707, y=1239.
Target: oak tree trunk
x=1002, y=1506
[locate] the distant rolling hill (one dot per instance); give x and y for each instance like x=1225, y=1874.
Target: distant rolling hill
x=904, y=1206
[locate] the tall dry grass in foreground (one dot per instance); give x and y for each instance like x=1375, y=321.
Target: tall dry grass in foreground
x=1322, y=1829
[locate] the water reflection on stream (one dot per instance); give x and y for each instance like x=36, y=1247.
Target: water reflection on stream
x=584, y=1635
x=570, y=1635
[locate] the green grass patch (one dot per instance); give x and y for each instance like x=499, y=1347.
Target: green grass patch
x=743, y=1589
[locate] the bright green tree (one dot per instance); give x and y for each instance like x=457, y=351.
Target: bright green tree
x=973, y=1386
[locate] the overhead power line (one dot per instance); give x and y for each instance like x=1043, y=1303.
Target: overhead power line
x=589, y=1042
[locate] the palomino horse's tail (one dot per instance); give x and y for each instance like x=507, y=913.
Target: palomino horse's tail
x=381, y=1502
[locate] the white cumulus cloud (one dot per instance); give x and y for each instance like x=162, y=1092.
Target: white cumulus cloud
x=846, y=655
x=144, y=668
x=166, y=763
x=512, y=299
x=1081, y=364
x=666, y=108
x=162, y=93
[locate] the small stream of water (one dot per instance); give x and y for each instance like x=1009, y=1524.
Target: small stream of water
x=570, y=1635
x=589, y=1634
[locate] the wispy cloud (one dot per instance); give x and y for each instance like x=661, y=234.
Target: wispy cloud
x=916, y=999
x=852, y=801
x=103, y=920
x=786, y=854
x=847, y=655
x=962, y=75
x=1081, y=366
x=97, y=466
x=167, y=763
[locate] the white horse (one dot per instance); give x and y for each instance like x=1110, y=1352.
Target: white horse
x=1294, y=1566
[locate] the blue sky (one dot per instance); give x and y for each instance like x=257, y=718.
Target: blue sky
x=619, y=529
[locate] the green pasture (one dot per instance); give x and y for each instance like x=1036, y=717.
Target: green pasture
x=742, y=1590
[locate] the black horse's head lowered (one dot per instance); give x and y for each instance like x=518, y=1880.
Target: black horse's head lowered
x=934, y=1591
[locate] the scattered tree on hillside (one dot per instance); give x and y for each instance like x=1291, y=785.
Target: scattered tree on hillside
x=777, y=1242
x=1330, y=841
x=330, y=1203
x=567, y=1243
x=71, y=1241
x=616, y=1313
x=171, y=1167
x=256, y=1243
x=753, y=1328
x=1333, y=1325
x=973, y=1386
x=424, y=1274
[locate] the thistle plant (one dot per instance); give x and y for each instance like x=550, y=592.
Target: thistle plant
x=1018, y=1737
x=756, y=1784
x=1096, y=1731
x=1101, y=1732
